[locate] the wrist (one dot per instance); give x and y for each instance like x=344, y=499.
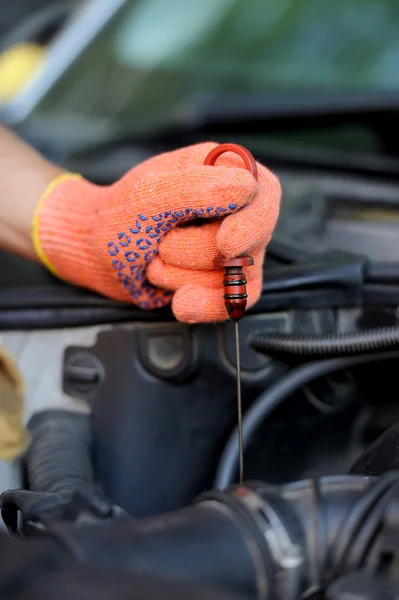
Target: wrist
x=65, y=228
x=16, y=221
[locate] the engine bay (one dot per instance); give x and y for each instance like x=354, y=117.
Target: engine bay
x=133, y=420
x=131, y=487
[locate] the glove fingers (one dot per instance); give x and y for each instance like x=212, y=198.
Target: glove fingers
x=169, y=277
x=178, y=197
x=254, y=224
x=195, y=304
x=194, y=247
x=186, y=158
x=191, y=247
x=183, y=158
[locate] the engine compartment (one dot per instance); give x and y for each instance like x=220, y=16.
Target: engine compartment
x=133, y=423
x=89, y=349
x=129, y=487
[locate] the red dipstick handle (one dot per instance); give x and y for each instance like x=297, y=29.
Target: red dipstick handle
x=234, y=281
x=249, y=161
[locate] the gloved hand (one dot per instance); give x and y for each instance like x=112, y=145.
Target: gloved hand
x=135, y=240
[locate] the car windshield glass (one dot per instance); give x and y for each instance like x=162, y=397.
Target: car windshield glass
x=156, y=59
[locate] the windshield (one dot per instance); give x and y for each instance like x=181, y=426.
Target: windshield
x=156, y=59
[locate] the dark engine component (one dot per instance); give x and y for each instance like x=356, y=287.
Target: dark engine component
x=39, y=570
x=58, y=459
x=59, y=472
x=262, y=541
x=162, y=404
x=381, y=456
x=354, y=342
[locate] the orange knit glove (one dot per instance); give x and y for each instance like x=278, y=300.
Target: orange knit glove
x=135, y=240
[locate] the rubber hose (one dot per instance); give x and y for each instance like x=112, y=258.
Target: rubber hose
x=263, y=541
x=272, y=397
x=207, y=543
x=313, y=345
x=59, y=457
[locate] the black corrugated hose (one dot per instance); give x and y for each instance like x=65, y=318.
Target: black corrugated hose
x=315, y=345
x=60, y=474
x=59, y=457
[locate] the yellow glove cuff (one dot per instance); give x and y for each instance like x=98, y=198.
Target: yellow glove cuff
x=36, y=219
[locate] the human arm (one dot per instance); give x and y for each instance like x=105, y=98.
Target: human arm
x=137, y=240
x=24, y=175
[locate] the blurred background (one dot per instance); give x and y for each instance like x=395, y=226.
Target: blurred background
x=135, y=66
x=309, y=86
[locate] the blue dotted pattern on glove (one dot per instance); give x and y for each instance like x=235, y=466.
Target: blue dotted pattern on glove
x=133, y=250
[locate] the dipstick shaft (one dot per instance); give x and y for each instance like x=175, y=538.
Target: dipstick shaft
x=239, y=404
